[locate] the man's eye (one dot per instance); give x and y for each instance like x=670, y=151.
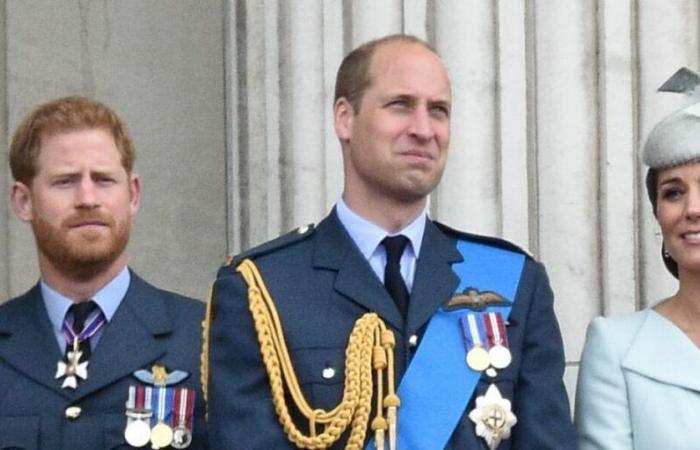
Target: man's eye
x=440, y=111
x=399, y=104
x=62, y=182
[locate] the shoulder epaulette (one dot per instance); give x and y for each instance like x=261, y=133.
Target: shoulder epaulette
x=297, y=235
x=489, y=240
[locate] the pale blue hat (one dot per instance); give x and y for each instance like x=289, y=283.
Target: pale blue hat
x=675, y=140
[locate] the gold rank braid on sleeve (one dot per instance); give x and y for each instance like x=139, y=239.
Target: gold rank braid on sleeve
x=370, y=350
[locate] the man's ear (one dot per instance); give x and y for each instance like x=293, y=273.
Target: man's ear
x=21, y=199
x=135, y=190
x=343, y=115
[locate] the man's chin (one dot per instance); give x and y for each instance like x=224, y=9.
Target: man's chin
x=85, y=265
x=415, y=192
x=92, y=251
x=85, y=257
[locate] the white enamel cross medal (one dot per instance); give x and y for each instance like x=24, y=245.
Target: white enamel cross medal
x=493, y=417
x=72, y=368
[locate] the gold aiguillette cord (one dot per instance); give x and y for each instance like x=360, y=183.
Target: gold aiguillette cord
x=370, y=347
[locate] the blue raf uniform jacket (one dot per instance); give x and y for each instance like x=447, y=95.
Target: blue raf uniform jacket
x=150, y=326
x=321, y=284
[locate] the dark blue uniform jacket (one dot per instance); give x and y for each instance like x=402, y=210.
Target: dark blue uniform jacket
x=150, y=326
x=321, y=285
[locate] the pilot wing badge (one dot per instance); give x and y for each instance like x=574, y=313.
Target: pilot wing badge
x=473, y=299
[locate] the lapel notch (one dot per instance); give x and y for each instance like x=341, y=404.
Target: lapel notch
x=131, y=339
x=334, y=250
x=435, y=281
x=27, y=342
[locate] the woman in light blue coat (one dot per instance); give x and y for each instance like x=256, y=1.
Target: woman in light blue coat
x=639, y=380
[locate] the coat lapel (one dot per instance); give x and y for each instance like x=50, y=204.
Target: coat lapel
x=130, y=340
x=435, y=281
x=355, y=280
x=27, y=342
x=649, y=353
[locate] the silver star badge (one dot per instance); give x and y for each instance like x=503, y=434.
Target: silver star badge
x=72, y=369
x=493, y=417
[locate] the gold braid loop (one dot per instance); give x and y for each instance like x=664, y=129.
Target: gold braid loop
x=370, y=347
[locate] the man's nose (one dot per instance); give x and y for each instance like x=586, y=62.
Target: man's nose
x=86, y=195
x=421, y=126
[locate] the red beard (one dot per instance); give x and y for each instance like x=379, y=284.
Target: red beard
x=81, y=254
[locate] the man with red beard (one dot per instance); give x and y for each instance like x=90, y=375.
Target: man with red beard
x=92, y=356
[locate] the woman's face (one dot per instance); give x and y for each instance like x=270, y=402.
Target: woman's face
x=678, y=213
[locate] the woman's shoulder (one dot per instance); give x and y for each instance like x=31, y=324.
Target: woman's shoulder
x=625, y=321
x=619, y=330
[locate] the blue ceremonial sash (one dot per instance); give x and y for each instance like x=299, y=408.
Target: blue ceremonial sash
x=438, y=384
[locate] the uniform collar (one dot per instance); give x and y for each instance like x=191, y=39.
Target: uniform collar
x=108, y=299
x=367, y=235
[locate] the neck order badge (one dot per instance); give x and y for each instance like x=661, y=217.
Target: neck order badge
x=440, y=360
x=87, y=321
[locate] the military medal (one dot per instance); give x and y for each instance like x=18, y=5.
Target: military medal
x=137, y=433
x=72, y=369
x=138, y=412
x=158, y=414
x=183, y=411
x=493, y=417
x=477, y=357
x=162, y=433
x=499, y=355
x=182, y=438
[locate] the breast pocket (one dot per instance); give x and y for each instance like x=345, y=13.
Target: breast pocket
x=19, y=433
x=321, y=375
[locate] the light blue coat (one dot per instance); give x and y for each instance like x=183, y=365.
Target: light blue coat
x=638, y=386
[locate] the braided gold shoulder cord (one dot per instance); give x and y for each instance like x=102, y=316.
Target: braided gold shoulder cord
x=370, y=346
x=204, y=355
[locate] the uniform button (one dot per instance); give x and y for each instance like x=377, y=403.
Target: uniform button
x=73, y=412
x=413, y=340
x=328, y=373
x=303, y=229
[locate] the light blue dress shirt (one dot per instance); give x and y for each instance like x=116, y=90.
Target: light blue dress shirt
x=108, y=299
x=368, y=237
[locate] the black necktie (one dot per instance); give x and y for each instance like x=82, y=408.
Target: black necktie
x=393, y=281
x=81, y=311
